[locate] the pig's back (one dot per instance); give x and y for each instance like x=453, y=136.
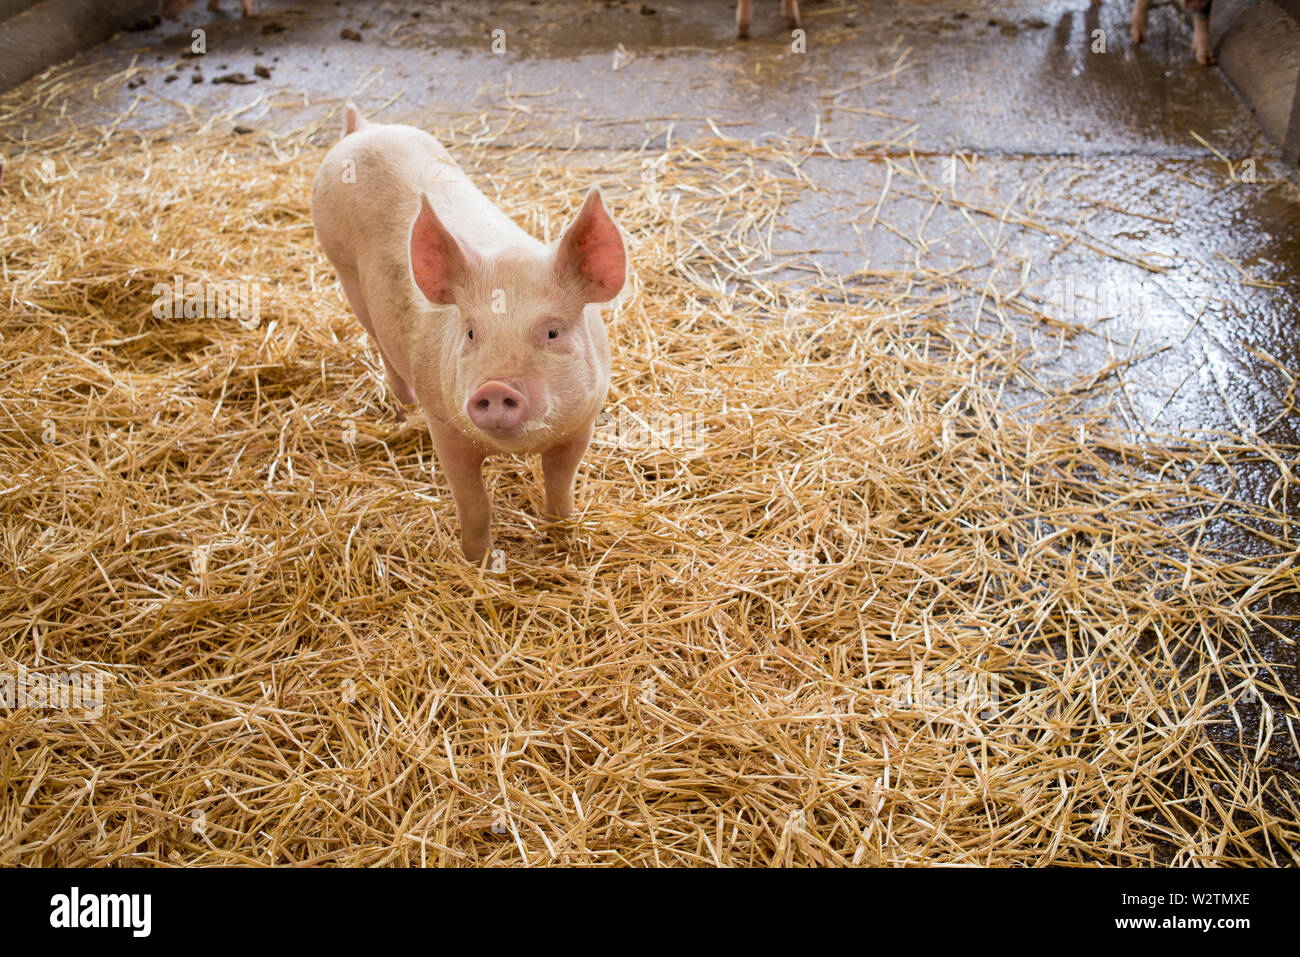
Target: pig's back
x=367, y=194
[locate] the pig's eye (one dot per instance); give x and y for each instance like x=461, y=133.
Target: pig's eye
x=470, y=333
x=553, y=334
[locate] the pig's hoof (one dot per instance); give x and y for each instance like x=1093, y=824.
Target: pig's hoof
x=1205, y=59
x=742, y=33
x=1138, y=32
x=476, y=546
x=792, y=23
x=557, y=510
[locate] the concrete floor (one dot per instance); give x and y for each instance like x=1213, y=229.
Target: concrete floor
x=1111, y=146
x=1120, y=154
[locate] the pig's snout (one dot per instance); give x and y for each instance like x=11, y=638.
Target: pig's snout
x=496, y=407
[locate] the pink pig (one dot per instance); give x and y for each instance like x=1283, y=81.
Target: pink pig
x=495, y=335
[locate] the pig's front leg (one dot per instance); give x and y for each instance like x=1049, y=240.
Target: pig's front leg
x=560, y=468
x=462, y=463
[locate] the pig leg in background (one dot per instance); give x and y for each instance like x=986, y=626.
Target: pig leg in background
x=744, y=13
x=174, y=8
x=245, y=5
x=1200, y=11
x=462, y=462
x=352, y=289
x=560, y=468
x=1138, y=23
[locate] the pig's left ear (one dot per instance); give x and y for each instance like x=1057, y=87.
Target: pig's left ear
x=591, y=255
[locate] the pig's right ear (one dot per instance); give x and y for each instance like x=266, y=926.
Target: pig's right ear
x=437, y=259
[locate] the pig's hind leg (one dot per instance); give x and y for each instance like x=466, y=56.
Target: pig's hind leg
x=352, y=289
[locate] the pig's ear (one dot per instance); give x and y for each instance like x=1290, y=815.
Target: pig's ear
x=591, y=255
x=437, y=257
x=353, y=120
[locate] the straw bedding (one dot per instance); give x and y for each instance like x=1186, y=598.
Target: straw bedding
x=853, y=604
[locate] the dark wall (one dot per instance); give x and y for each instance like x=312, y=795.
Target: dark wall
x=37, y=35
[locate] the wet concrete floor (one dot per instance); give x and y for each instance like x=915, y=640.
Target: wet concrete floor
x=1122, y=154
x=1121, y=148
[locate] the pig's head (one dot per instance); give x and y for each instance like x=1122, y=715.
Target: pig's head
x=528, y=362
